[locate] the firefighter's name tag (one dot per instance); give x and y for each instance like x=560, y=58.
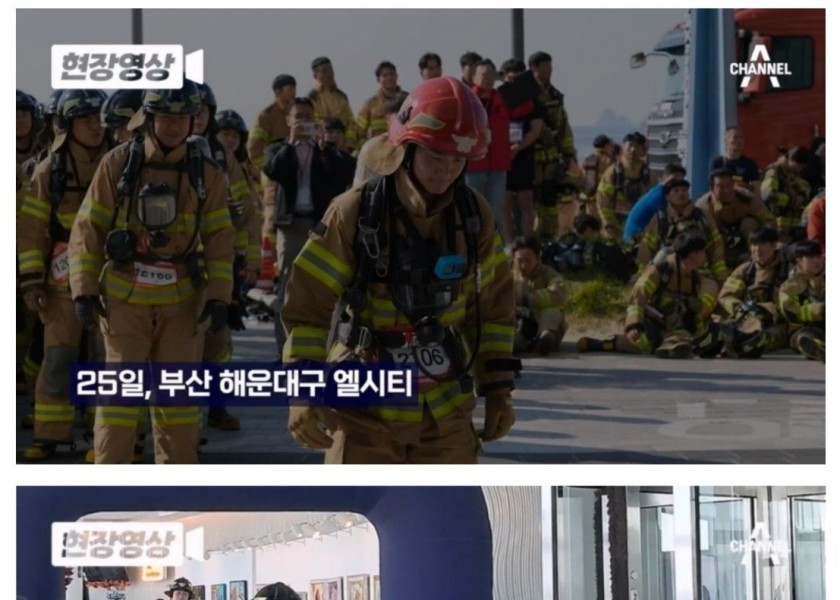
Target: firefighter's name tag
x=431, y=359
x=60, y=263
x=157, y=274
x=515, y=133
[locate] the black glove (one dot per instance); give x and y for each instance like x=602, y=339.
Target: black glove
x=218, y=313
x=234, y=317
x=87, y=307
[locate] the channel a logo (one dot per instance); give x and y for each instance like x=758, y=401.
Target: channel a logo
x=759, y=65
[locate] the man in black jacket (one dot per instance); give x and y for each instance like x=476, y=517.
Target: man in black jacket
x=308, y=175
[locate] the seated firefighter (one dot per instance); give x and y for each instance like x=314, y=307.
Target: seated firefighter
x=670, y=306
x=622, y=184
x=540, y=295
x=750, y=296
x=678, y=215
x=587, y=251
x=737, y=213
x=802, y=300
x=785, y=192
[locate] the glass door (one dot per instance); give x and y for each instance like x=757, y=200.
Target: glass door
x=808, y=517
x=724, y=528
x=657, y=546
x=581, y=551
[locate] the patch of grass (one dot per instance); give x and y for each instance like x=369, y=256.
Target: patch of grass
x=596, y=296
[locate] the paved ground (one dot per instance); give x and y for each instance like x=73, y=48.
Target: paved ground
x=575, y=408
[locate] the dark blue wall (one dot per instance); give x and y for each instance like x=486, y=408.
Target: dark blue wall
x=434, y=543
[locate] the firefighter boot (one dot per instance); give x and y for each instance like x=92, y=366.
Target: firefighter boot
x=136, y=459
x=546, y=343
x=811, y=347
x=220, y=418
x=588, y=344
x=680, y=350
x=39, y=451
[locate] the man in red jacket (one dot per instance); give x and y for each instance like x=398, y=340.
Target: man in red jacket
x=488, y=175
x=816, y=221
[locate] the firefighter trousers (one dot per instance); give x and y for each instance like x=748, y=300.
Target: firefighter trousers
x=54, y=414
x=545, y=199
x=290, y=241
x=553, y=320
x=363, y=439
x=137, y=333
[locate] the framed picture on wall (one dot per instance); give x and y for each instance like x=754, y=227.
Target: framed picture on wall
x=375, y=591
x=218, y=591
x=358, y=587
x=198, y=592
x=335, y=589
x=317, y=590
x=239, y=590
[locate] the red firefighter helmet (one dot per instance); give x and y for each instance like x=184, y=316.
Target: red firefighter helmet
x=445, y=116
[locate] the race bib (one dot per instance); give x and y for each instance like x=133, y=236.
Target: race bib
x=434, y=361
x=515, y=133
x=160, y=273
x=60, y=263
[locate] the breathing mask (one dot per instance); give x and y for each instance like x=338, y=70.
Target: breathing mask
x=157, y=210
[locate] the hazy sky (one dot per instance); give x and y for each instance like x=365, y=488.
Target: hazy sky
x=245, y=48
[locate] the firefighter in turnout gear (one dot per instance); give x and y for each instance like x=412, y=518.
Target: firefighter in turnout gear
x=118, y=111
x=540, y=294
x=372, y=119
x=329, y=101
x=802, y=300
x=750, y=299
x=554, y=152
x=271, y=125
x=59, y=185
x=47, y=136
x=594, y=167
x=232, y=133
x=218, y=345
x=737, y=214
x=786, y=193
x=670, y=307
x=406, y=252
x=26, y=126
x=622, y=185
x=680, y=214
x=230, y=137
x=51, y=118
x=151, y=251
x=272, y=122
x=30, y=334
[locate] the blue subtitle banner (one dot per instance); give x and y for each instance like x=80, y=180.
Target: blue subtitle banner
x=338, y=385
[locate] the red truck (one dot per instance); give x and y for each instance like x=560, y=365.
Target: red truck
x=789, y=115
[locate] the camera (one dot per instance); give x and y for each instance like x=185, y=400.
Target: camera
x=309, y=129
